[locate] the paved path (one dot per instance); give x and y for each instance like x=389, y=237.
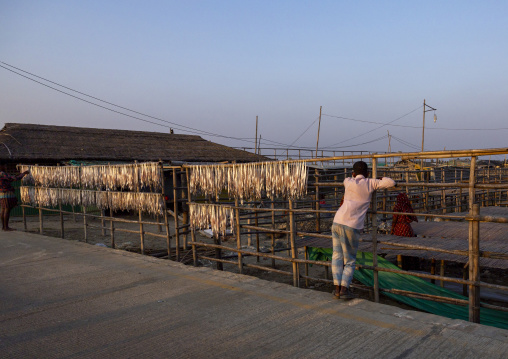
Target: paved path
x=64, y=299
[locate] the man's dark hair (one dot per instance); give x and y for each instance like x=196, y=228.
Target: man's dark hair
x=361, y=168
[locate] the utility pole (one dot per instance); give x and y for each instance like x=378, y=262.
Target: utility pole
x=389, y=142
x=423, y=127
x=256, y=138
x=319, y=127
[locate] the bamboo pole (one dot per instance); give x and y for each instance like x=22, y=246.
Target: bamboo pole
x=294, y=253
x=474, y=267
x=193, y=231
x=374, y=234
x=166, y=222
x=272, y=206
x=40, y=221
x=85, y=225
x=443, y=194
x=306, y=256
x=175, y=210
x=388, y=270
x=61, y=218
x=141, y=231
x=317, y=198
x=185, y=212
x=238, y=236
x=112, y=228
x=256, y=223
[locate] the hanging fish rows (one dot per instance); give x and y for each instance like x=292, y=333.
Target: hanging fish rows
x=108, y=177
x=287, y=179
x=204, y=215
x=151, y=203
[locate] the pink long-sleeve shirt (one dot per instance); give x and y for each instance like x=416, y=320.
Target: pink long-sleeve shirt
x=357, y=196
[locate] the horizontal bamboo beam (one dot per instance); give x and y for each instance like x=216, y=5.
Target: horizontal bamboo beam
x=434, y=298
x=93, y=216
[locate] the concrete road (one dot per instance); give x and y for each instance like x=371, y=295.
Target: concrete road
x=64, y=299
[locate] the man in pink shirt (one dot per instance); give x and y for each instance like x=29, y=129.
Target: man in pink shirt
x=347, y=224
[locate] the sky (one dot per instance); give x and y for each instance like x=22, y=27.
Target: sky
x=210, y=67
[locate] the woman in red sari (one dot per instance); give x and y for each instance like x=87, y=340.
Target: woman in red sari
x=401, y=223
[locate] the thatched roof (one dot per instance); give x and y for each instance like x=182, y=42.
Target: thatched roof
x=29, y=143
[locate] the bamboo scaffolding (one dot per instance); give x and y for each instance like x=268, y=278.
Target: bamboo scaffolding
x=436, y=200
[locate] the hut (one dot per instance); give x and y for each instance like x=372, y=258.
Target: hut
x=45, y=144
x=52, y=145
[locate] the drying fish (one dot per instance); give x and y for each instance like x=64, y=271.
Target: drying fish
x=250, y=181
x=204, y=216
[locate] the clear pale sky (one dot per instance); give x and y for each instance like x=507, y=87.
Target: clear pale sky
x=216, y=65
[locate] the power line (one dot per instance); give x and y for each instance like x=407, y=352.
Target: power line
x=95, y=98
x=373, y=122
x=410, y=145
x=313, y=122
x=418, y=127
x=364, y=143
x=183, y=128
x=377, y=128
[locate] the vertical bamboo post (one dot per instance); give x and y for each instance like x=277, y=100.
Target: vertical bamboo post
x=185, y=213
x=166, y=222
x=249, y=235
x=407, y=179
x=460, y=189
x=175, y=213
x=294, y=253
x=112, y=228
x=474, y=267
x=288, y=229
x=60, y=213
x=193, y=231
x=318, y=216
x=374, y=233
x=473, y=240
x=256, y=223
x=238, y=236
x=427, y=196
x=85, y=224
x=306, y=256
x=443, y=193
x=472, y=181
x=140, y=215
x=61, y=218
x=336, y=190
x=40, y=220
x=399, y=261
x=488, y=181
x=272, y=206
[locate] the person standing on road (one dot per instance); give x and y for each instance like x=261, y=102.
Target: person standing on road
x=8, y=198
x=348, y=222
